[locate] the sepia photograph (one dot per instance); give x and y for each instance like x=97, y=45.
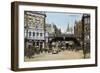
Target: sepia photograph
x=56, y=36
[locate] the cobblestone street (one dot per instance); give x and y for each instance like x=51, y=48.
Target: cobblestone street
x=60, y=56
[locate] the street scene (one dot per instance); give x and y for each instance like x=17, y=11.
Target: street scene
x=60, y=56
x=56, y=36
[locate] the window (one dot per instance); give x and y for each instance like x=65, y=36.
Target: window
x=37, y=34
x=40, y=34
x=36, y=26
x=33, y=33
x=30, y=18
x=29, y=34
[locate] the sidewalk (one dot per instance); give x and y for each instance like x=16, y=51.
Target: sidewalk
x=64, y=55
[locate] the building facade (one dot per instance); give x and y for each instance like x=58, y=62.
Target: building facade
x=78, y=30
x=86, y=25
x=82, y=31
x=34, y=31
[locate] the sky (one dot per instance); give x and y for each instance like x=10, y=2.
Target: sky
x=61, y=20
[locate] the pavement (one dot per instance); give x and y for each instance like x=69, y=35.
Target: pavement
x=64, y=55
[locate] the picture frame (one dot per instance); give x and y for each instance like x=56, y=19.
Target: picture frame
x=21, y=60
